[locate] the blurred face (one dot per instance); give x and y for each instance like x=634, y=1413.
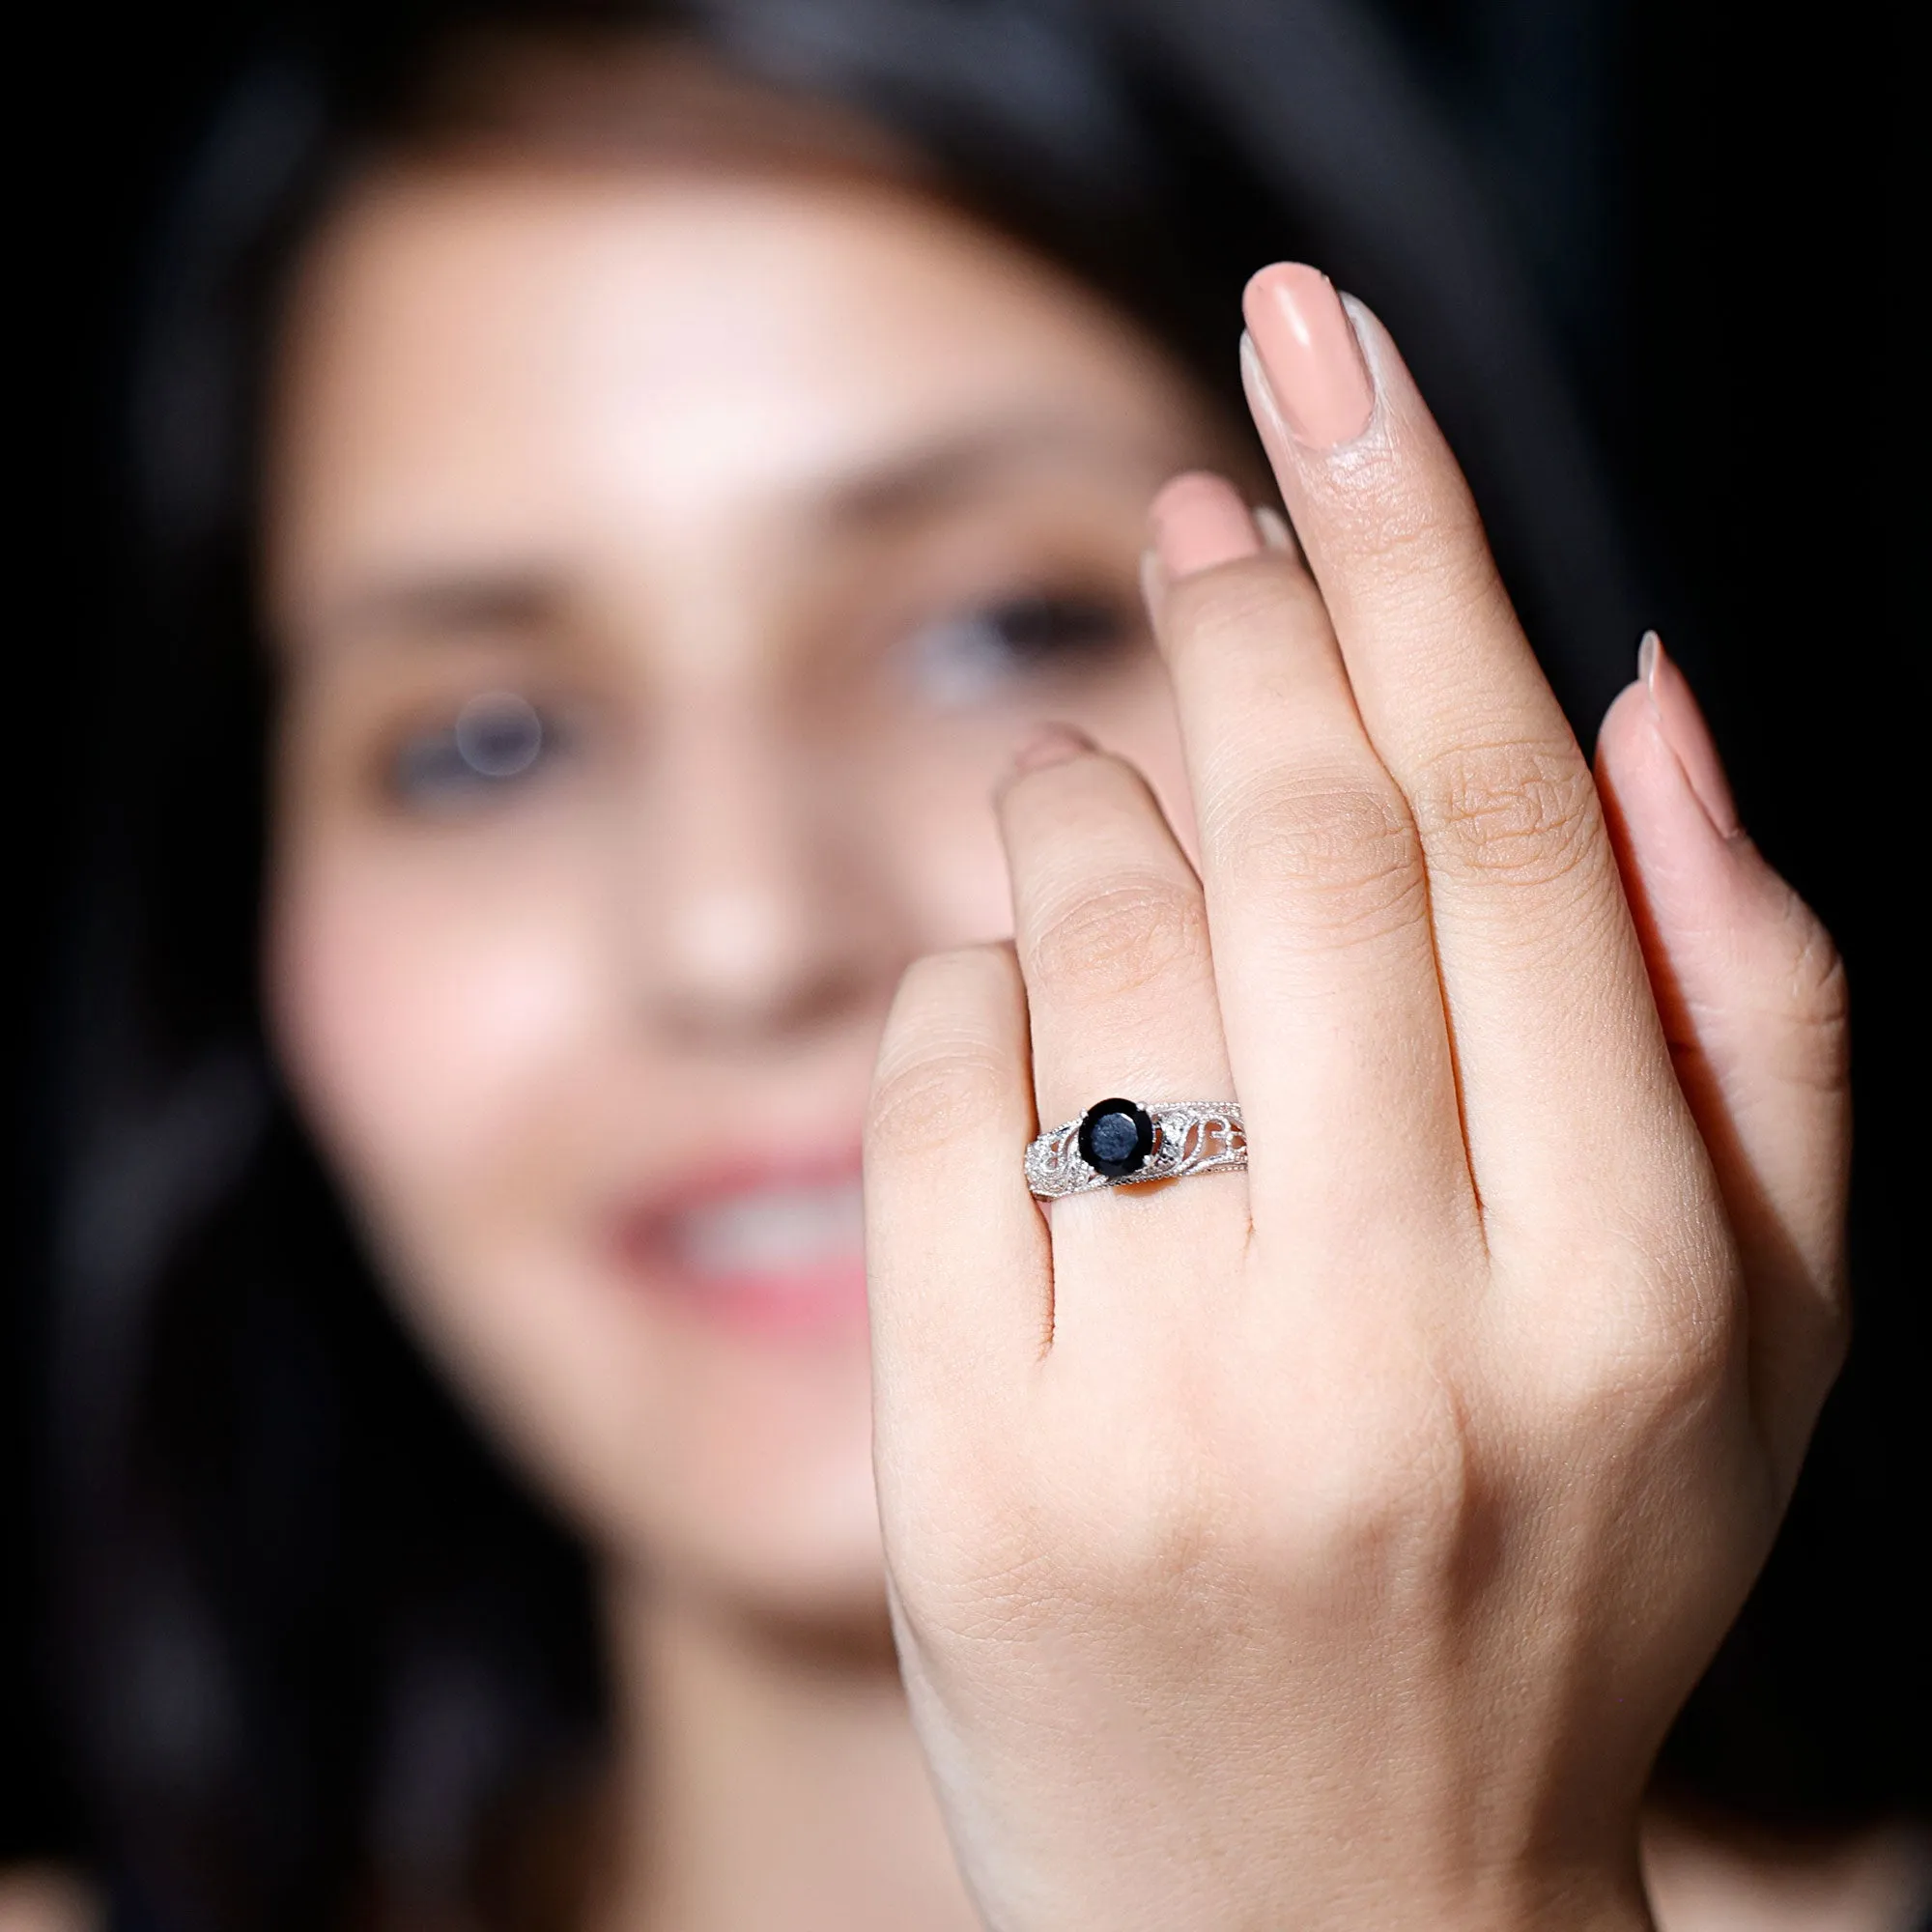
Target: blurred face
x=665, y=567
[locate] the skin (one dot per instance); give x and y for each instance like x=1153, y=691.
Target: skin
x=1332, y=1544
x=708, y=471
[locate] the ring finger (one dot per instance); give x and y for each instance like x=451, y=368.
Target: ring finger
x=1112, y=937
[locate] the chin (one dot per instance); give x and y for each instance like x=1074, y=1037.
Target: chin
x=804, y=1558
x=704, y=1424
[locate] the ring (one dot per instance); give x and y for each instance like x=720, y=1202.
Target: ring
x=1118, y=1144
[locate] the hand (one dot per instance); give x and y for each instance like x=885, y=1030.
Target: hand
x=1331, y=1545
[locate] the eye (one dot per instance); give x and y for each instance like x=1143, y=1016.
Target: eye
x=971, y=656
x=493, y=741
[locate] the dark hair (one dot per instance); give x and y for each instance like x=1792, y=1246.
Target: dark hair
x=320, y=1650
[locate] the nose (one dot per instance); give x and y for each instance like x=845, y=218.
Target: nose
x=763, y=913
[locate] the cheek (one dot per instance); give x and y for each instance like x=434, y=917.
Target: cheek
x=465, y=1045
x=420, y=1023
x=435, y=1017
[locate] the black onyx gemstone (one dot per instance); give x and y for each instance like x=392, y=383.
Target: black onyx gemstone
x=1116, y=1138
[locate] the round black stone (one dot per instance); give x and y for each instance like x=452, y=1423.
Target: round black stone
x=1116, y=1138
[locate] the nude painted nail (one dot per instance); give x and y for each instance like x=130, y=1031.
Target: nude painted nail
x=1277, y=532
x=1680, y=719
x=1050, y=745
x=1308, y=348
x=1199, y=520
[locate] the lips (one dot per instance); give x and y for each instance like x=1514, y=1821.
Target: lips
x=779, y=1252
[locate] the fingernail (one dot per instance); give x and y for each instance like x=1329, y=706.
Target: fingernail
x=1680, y=720
x=1050, y=745
x=1309, y=352
x=1154, y=580
x=1199, y=521
x=1277, y=532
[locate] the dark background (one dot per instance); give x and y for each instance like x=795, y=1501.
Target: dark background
x=1707, y=203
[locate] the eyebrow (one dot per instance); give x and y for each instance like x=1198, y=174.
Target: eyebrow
x=473, y=598
x=460, y=598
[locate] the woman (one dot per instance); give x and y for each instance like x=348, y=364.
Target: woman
x=674, y=496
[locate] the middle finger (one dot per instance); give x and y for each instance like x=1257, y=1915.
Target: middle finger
x=1324, y=957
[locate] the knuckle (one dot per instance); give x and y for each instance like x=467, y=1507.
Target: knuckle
x=1819, y=994
x=1384, y=1475
x=933, y=1100
x=1519, y=812
x=1398, y=1480
x=1658, y=1338
x=1817, y=997
x=944, y=1069
x=1426, y=545
x=1237, y=607
x=1115, y=940
x=1342, y=852
x=1782, y=1008
x=1659, y=1364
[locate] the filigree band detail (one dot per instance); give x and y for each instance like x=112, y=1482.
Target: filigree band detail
x=1189, y=1137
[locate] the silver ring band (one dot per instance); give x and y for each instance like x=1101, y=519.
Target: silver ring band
x=1120, y=1144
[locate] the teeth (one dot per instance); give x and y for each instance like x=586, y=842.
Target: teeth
x=777, y=1230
